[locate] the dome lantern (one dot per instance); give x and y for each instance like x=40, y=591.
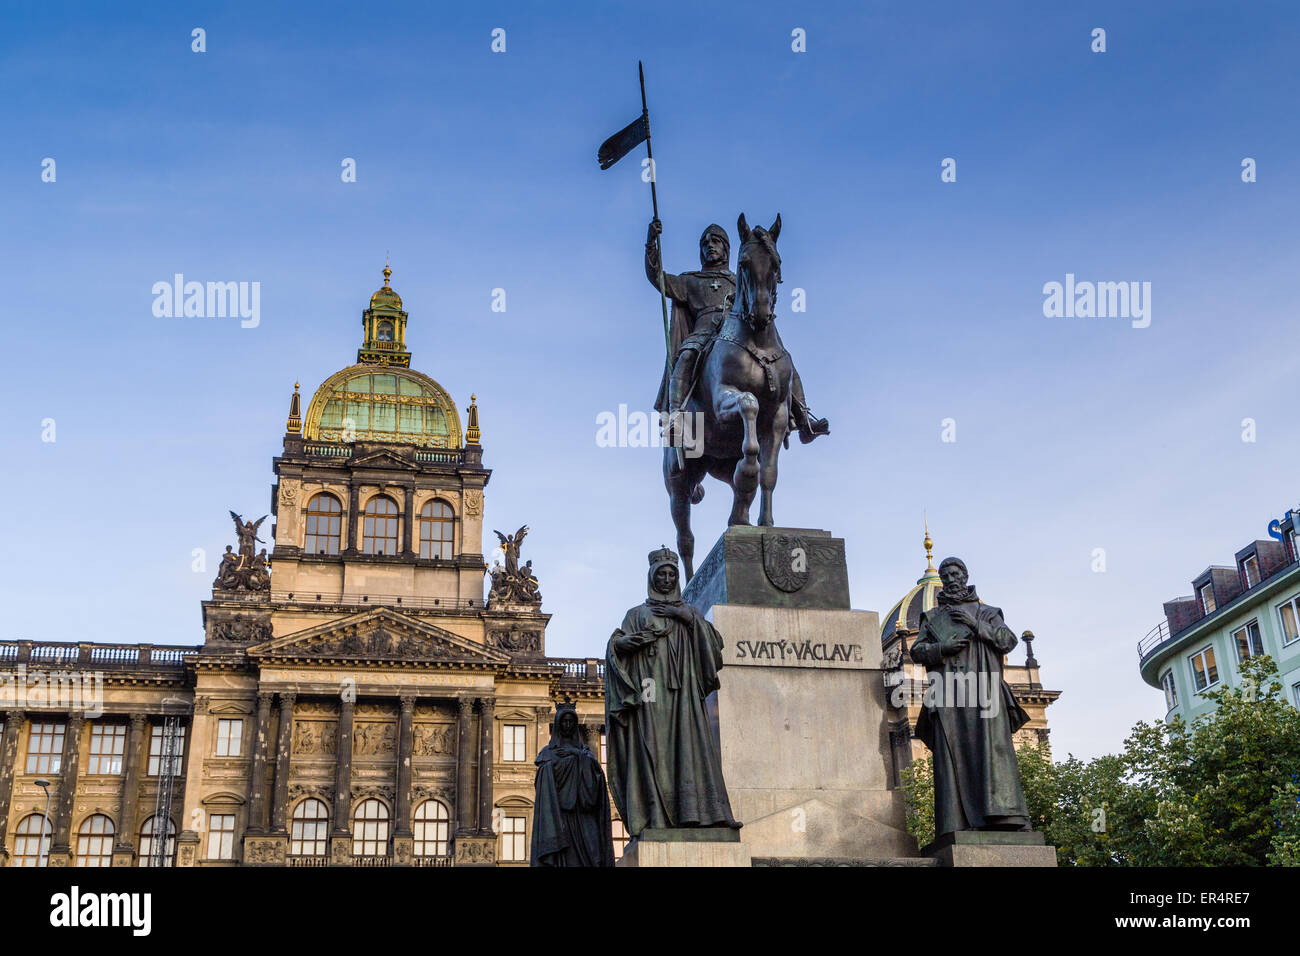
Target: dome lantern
x=384, y=328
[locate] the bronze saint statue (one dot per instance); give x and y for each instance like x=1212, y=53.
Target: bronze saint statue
x=969, y=713
x=571, y=821
x=700, y=301
x=665, y=770
x=746, y=390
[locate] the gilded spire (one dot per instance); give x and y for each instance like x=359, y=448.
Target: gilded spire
x=387, y=271
x=930, y=573
x=472, y=434
x=293, y=425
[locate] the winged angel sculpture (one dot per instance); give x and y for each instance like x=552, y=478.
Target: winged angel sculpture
x=514, y=584
x=248, y=569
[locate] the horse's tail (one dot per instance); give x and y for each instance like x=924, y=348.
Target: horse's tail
x=697, y=494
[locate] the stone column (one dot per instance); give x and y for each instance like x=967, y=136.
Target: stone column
x=411, y=547
x=354, y=519
x=124, y=847
x=464, y=758
x=257, y=775
x=341, y=839
x=61, y=847
x=189, y=785
x=486, y=731
x=284, y=743
x=403, y=834
x=343, y=768
x=8, y=767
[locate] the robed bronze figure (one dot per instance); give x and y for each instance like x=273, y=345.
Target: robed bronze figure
x=969, y=713
x=665, y=770
x=571, y=821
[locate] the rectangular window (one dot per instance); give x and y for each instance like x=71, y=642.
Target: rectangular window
x=1250, y=568
x=156, y=750
x=230, y=737
x=603, y=754
x=514, y=848
x=221, y=836
x=512, y=742
x=1295, y=694
x=45, y=748
x=1205, y=673
x=107, y=744
x=1207, y=598
x=1249, y=642
x=1290, y=614
x=620, y=838
x=1171, y=692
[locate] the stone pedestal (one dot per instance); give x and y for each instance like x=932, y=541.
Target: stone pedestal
x=801, y=713
x=699, y=846
x=266, y=850
x=471, y=849
x=990, y=848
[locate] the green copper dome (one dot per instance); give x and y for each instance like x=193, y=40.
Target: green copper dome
x=383, y=403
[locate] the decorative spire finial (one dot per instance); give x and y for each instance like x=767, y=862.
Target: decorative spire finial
x=472, y=434
x=387, y=271
x=929, y=545
x=293, y=424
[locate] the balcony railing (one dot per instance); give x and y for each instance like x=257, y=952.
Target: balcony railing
x=431, y=861
x=1155, y=637
x=308, y=861
x=368, y=599
x=97, y=656
x=580, y=666
x=372, y=861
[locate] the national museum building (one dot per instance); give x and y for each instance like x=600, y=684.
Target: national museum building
x=364, y=706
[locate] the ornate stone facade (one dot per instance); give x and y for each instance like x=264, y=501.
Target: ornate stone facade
x=363, y=708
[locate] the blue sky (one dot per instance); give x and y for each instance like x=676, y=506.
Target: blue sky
x=476, y=171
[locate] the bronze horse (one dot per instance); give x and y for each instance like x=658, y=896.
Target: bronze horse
x=744, y=394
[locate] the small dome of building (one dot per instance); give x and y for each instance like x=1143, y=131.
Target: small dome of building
x=387, y=297
x=922, y=597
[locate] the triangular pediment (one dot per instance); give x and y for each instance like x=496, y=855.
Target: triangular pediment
x=381, y=460
x=378, y=636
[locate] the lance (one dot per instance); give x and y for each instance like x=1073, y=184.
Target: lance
x=610, y=152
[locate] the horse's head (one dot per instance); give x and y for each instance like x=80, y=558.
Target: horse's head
x=758, y=271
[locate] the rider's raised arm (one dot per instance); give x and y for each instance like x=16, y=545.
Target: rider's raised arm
x=673, y=287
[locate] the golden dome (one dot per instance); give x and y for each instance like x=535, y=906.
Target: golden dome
x=383, y=403
x=386, y=299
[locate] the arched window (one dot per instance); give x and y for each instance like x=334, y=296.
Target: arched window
x=95, y=841
x=32, y=841
x=370, y=829
x=147, y=844
x=311, y=820
x=379, y=529
x=385, y=332
x=324, y=524
x=435, y=530
x=432, y=829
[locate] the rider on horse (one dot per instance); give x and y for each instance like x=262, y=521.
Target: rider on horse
x=700, y=302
